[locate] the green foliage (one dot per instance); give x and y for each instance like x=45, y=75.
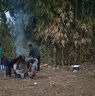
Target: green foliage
x=5, y=37
x=67, y=26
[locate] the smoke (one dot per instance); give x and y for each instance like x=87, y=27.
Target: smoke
x=17, y=28
x=16, y=24
x=19, y=33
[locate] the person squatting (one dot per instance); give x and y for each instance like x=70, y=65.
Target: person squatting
x=22, y=67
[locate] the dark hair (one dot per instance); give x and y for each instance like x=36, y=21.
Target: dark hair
x=20, y=57
x=30, y=45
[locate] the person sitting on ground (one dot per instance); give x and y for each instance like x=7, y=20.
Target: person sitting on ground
x=32, y=64
x=21, y=69
x=10, y=64
x=34, y=52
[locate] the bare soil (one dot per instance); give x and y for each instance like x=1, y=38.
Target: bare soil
x=52, y=82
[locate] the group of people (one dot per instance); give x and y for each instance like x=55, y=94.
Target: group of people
x=22, y=66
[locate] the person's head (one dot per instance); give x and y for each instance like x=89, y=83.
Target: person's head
x=20, y=57
x=30, y=44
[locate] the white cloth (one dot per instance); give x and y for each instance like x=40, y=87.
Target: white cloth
x=15, y=66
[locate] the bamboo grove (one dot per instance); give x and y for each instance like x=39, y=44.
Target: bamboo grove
x=64, y=27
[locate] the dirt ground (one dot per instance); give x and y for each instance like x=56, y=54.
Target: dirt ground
x=52, y=82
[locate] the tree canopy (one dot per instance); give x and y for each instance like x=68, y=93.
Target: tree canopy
x=64, y=27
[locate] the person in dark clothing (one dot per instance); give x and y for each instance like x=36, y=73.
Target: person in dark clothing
x=15, y=60
x=8, y=68
x=34, y=52
x=10, y=63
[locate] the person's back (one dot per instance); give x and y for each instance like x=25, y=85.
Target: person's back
x=34, y=52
